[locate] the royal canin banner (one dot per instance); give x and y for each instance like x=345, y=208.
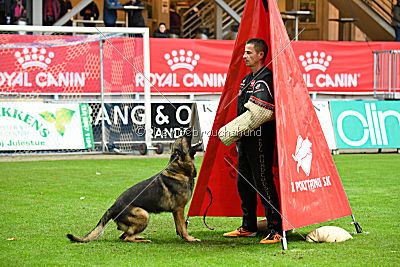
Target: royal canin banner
x=48, y=64
x=186, y=65
x=179, y=65
x=339, y=66
x=71, y=64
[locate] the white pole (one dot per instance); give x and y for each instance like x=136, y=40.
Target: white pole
x=375, y=63
x=29, y=28
x=37, y=12
x=102, y=107
x=390, y=74
x=147, y=96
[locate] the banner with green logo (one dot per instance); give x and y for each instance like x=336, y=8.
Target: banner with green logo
x=44, y=126
x=366, y=124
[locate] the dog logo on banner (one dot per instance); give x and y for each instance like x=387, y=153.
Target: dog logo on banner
x=303, y=155
x=317, y=75
x=182, y=59
x=34, y=57
x=315, y=61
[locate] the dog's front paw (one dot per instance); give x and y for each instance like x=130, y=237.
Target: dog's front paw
x=192, y=239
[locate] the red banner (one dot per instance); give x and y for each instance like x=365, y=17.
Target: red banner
x=339, y=66
x=122, y=65
x=188, y=66
x=326, y=66
x=71, y=64
x=216, y=191
x=48, y=64
x=310, y=187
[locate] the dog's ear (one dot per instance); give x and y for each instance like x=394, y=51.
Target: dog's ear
x=193, y=151
x=195, y=148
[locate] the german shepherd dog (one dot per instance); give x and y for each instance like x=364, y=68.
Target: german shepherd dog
x=167, y=191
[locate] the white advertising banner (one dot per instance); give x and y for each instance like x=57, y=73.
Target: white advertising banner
x=325, y=120
x=43, y=126
x=206, y=111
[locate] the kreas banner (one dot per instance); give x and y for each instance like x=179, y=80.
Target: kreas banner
x=43, y=126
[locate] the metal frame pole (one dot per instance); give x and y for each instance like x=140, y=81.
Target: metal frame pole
x=37, y=12
x=375, y=56
x=228, y=10
x=147, y=93
x=357, y=225
x=102, y=107
x=390, y=75
x=284, y=241
x=394, y=74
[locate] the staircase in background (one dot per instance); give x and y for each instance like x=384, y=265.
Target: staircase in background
x=205, y=20
x=374, y=17
x=382, y=7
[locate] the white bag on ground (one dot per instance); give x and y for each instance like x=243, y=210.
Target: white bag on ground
x=328, y=234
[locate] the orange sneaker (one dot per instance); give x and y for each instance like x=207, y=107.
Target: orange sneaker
x=240, y=232
x=271, y=238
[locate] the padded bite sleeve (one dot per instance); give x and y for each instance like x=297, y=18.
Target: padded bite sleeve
x=245, y=123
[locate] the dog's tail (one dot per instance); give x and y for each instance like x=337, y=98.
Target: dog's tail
x=96, y=233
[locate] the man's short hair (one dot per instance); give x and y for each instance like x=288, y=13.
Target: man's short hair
x=259, y=45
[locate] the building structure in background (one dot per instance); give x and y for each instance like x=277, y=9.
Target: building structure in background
x=336, y=20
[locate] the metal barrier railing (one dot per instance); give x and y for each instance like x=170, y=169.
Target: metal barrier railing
x=387, y=74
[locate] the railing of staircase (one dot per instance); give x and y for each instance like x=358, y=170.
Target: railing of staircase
x=382, y=7
x=205, y=18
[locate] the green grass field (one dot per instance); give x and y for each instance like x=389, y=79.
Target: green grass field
x=42, y=201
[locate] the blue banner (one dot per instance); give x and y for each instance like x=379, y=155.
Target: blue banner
x=366, y=124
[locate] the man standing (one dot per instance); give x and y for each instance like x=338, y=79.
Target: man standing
x=255, y=132
x=135, y=16
x=109, y=14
